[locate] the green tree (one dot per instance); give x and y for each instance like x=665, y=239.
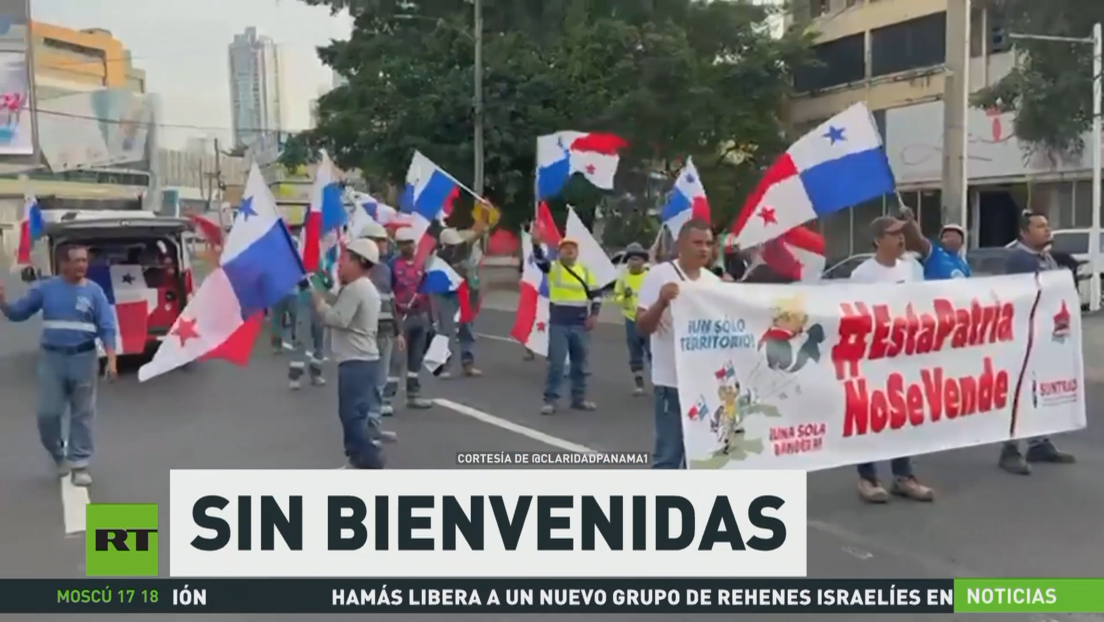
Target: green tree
x=1050, y=88
x=675, y=79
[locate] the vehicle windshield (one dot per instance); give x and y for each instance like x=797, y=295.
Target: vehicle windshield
x=71, y=204
x=1073, y=242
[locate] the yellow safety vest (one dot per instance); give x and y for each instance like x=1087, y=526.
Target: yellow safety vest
x=567, y=291
x=627, y=292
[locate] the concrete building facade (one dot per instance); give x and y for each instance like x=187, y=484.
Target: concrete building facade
x=68, y=61
x=255, y=87
x=890, y=54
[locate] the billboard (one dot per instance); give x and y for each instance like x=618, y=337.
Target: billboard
x=107, y=127
x=16, y=117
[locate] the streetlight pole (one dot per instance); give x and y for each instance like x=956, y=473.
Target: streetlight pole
x=1094, y=232
x=477, y=99
x=1097, y=41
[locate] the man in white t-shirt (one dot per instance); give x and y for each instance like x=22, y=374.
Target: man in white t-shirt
x=653, y=318
x=890, y=264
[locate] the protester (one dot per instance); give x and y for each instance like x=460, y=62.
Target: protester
x=626, y=292
x=943, y=258
x=75, y=312
x=455, y=248
x=354, y=319
x=1030, y=255
x=412, y=315
x=572, y=314
x=891, y=265
x=308, y=337
x=653, y=319
x=387, y=334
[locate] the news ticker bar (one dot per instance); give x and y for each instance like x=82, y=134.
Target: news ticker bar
x=705, y=595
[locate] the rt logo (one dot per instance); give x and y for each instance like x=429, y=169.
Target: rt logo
x=121, y=540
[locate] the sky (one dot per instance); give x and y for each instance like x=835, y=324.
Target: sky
x=182, y=46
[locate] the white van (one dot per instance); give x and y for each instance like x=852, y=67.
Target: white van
x=152, y=253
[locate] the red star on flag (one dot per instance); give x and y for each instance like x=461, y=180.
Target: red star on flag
x=590, y=169
x=540, y=327
x=767, y=214
x=185, y=329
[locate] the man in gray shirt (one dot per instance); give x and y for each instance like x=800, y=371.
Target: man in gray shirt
x=388, y=332
x=353, y=319
x=1031, y=254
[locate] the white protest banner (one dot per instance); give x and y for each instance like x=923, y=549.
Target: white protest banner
x=818, y=376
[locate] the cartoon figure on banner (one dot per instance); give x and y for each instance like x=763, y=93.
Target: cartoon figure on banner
x=789, y=344
x=727, y=420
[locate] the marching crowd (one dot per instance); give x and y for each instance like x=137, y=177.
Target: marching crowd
x=380, y=324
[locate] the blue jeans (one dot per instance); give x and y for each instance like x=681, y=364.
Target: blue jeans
x=357, y=397
x=67, y=382
x=445, y=308
x=567, y=343
x=640, y=348
x=899, y=467
x=416, y=332
x=282, y=319
x=668, y=452
x=308, y=356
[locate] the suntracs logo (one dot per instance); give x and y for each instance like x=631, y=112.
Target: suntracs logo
x=722, y=334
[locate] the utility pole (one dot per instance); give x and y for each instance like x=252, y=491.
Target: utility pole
x=217, y=183
x=956, y=106
x=477, y=100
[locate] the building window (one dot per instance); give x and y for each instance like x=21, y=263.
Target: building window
x=820, y=7
x=837, y=62
x=914, y=44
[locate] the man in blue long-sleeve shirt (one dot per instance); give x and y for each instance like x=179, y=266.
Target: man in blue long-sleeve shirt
x=75, y=312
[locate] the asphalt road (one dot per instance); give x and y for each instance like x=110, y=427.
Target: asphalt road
x=984, y=522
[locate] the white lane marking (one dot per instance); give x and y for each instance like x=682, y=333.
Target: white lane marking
x=74, y=499
x=510, y=426
x=496, y=338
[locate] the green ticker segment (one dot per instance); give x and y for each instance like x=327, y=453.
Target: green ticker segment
x=1029, y=595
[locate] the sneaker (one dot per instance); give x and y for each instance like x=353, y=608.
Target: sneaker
x=1045, y=451
x=62, y=469
x=387, y=410
x=388, y=437
x=418, y=403
x=471, y=371
x=638, y=392
x=294, y=385
x=318, y=381
x=81, y=477
x=1012, y=461
x=872, y=492
x=277, y=349
x=548, y=409
x=445, y=375
x=584, y=405
x=911, y=488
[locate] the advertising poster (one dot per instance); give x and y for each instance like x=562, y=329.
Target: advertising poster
x=16, y=116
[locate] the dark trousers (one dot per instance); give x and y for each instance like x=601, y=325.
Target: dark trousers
x=357, y=397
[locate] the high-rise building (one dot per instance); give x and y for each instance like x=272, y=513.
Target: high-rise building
x=255, y=90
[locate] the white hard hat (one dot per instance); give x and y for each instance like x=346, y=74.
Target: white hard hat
x=373, y=230
x=450, y=237
x=406, y=234
x=365, y=249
